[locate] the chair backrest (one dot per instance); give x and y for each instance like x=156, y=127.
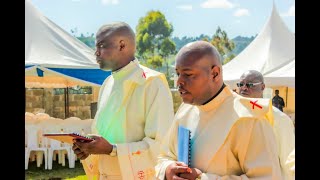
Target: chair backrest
x=53, y=143
x=72, y=118
x=42, y=116
x=86, y=125
x=29, y=114
x=72, y=124
x=51, y=125
x=30, y=118
x=32, y=132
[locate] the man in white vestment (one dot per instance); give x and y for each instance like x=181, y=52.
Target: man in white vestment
x=135, y=110
x=231, y=136
x=252, y=85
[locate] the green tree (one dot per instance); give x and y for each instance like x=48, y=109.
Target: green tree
x=167, y=48
x=89, y=40
x=155, y=61
x=153, y=37
x=223, y=44
x=229, y=58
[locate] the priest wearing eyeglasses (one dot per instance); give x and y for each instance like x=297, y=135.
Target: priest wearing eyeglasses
x=251, y=85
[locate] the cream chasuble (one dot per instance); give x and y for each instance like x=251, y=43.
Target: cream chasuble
x=135, y=110
x=284, y=132
x=232, y=138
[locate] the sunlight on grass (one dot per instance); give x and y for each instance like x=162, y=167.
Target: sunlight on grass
x=58, y=172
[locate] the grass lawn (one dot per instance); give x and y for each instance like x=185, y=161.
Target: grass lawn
x=58, y=172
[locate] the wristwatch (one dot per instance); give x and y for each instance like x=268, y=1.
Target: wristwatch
x=114, y=150
x=199, y=177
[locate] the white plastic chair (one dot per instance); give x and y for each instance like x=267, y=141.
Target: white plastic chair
x=33, y=144
x=72, y=125
x=42, y=116
x=86, y=126
x=54, y=125
x=30, y=118
x=73, y=118
x=29, y=114
x=58, y=146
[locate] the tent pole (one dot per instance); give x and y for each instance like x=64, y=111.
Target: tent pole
x=67, y=103
x=287, y=97
x=43, y=99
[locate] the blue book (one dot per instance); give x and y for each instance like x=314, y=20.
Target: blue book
x=184, y=145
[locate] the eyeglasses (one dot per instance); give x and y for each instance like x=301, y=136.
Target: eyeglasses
x=249, y=85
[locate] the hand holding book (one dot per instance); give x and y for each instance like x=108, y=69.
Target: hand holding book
x=68, y=137
x=184, y=145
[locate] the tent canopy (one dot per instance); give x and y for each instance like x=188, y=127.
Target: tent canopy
x=284, y=75
x=62, y=78
x=270, y=51
x=57, y=55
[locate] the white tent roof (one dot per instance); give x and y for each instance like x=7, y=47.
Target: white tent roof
x=284, y=75
x=64, y=60
x=273, y=48
x=47, y=45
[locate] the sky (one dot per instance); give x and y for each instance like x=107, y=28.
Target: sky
x=188, y=17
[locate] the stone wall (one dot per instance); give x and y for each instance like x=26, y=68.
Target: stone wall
x=58, y=106
x=34, y=100
x=54, y=105
x=79, y=104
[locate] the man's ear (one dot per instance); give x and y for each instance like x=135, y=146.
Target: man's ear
x=215, y=71
x=122, y=45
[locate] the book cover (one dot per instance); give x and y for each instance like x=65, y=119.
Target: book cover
x=67, y=137
x=184, y=145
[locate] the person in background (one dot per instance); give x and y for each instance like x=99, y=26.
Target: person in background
x=134, y=112
x=251, y=85
x=277, y=101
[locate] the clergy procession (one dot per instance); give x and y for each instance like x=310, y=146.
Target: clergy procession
x=111, y=116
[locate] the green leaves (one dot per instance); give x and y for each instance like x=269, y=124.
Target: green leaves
x=223, y=44
x=155, y=61
x=153, y=40
x=167, y=47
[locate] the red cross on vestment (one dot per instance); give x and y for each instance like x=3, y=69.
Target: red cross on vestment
x=255, y=104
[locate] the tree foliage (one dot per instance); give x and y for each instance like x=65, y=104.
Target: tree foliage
x=155, y=61
x=180, y=42
x=87, y=39
x=241, y=43
x=153, y=38
x=223, y=44
x=167, y=48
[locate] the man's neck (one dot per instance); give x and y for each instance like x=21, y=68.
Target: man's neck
x=223, y=85
x=122, y=66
